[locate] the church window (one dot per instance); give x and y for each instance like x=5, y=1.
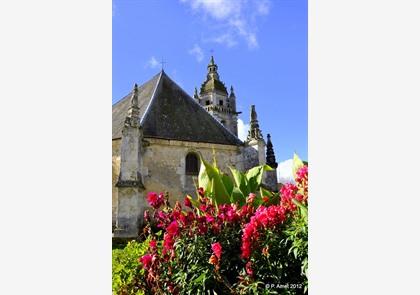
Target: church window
x=192, y=165
x=207, y=102
x=221, y=102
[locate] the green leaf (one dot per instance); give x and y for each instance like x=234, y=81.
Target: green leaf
x=227, y=181
x=211, y=180
x=237, y=196
x=297, y=163
x=200, y=278
x=254, y=177
x=240, y=181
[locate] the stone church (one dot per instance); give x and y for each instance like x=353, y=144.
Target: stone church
x=158, y=133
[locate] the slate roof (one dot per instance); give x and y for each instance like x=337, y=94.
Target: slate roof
x=168, y=112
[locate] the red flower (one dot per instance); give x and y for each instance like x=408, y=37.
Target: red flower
x=173, y=228
x=248, y=268
x=201, y=191
x=265, y=199
x=146, y=260
x=209, y=218
x=187, y=202
x=168, y=243
x=217, y=249
x=155, y=200
x=153, y=244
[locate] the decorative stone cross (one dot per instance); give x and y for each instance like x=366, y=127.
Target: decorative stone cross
x=162, y=62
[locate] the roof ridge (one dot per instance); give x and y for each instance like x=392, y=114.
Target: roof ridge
x=205, y=110
x=153, y=97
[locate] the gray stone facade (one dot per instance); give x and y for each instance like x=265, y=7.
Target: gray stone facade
x=152, y=140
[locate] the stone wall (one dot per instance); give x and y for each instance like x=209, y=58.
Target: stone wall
x=163, y=164
x=116, y=161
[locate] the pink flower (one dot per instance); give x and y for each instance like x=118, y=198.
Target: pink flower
x=173, y=228
x=248, y=268
x=155, y=200
x=187, y=202
x=217, y=249
x=302, y=174
x=168, y=243
x=209, y=218
x=146, y=260
x=153, y=244
x=251, y=198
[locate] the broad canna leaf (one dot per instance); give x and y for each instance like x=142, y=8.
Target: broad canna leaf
x=237, y=196
x=254, y=177
x=227, y=181
x=211, y=180
x=240, y=181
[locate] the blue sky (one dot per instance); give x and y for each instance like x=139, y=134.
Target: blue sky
x=260, y=47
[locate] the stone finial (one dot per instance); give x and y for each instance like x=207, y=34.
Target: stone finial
x=133, y=114
x=232, y=94
x=212, y=70
x=135, y=96
x=270, y=157
x=212, y=61
x=254, y=129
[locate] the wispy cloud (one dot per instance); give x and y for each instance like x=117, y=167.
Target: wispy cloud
x=242, y=130
x=152, y=63
x=197, y=52
x=227, y=39
x=235, y=18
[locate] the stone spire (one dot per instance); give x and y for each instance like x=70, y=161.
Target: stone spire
x=270, y=158
x=213, y=82
x=212, y=70
x=232, y=94
x=254, y=129
x=133, y=115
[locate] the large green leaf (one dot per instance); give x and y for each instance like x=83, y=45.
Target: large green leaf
x=237, y=196
x=203, y=178
x=297, y=163
x=240, y=181
x=254, y=177
x=211, y=180
x=227, y=181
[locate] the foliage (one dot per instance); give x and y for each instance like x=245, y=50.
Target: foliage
x=223, y=245
x=223, y=189
x=125, y=268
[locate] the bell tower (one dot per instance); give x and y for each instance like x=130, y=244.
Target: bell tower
x=215, y=99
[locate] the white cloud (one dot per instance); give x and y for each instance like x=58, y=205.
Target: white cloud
x=242, y=130
x=285, y=172
x=152, y=63
x=263, y=7
x=197, y=52
x=226, y=39
x=237, y=17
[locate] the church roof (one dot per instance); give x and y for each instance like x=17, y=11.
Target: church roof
x=168, y=112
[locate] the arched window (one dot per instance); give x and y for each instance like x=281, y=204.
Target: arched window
x=192, y=165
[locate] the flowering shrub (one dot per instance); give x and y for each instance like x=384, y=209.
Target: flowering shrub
x=228, y=248
x=126, y=271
